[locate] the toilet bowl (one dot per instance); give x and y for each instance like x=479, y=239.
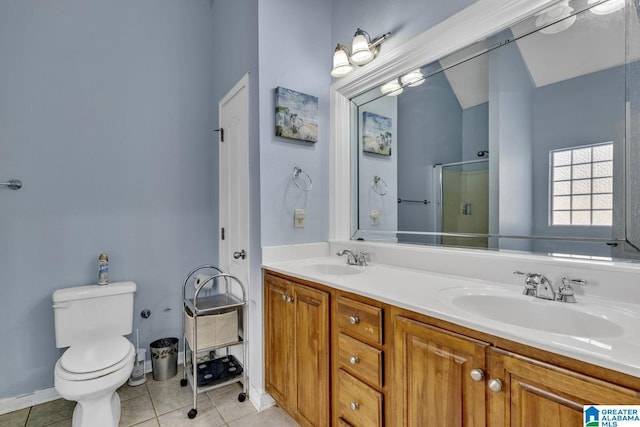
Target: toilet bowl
x=92, y=321
x=90, y=373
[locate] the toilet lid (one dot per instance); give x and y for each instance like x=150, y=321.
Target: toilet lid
x=95, y=355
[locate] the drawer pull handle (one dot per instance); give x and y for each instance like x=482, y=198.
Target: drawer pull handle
x=354, y=406
x=354, y=360
x=477, y=374
x=354, y=320
x=284, y=297
x=495, y=385
x=289, y=299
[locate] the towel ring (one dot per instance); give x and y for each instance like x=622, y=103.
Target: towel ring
x=301, y=182
x=375, y=185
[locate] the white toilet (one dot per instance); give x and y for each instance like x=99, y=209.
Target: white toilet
x=91, y=321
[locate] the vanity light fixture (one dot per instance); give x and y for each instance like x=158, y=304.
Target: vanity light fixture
x=341, y=65
x=413, y=78
x=392, y=88
x=363, y=51
x=561, y=13
x=606, y=7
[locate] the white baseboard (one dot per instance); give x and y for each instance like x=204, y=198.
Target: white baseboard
x=38, y=397
x=260, y=399
x=11, y=404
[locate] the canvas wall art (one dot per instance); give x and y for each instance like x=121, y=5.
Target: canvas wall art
x=296, y=115
x=376, y=134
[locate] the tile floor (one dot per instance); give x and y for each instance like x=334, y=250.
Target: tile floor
x=161, y=403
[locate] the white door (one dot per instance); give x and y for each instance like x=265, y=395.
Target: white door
x=233, y=235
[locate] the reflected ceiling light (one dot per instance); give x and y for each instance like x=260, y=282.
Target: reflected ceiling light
x=341, y=65
x=412, y=79
x=392, y=88
x=560, y=14
x=606, y=7
x=363, y=51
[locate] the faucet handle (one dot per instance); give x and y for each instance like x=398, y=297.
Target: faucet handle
x=531, y=282
x=361, y=257
x=565, y=292
x=580, y=282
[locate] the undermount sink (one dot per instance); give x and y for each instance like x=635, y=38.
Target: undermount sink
x=334, y=269
x=507, y=306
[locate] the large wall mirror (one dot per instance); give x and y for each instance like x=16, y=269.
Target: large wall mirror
x=526, y=140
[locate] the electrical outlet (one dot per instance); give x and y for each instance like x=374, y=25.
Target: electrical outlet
x=375, y=215
x=299, y=218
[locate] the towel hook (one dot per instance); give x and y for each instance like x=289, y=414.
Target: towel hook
x=14, y=184
x=301, y=182
x=375, y=185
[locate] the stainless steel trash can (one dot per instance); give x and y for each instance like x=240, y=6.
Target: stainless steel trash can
x=164, y=358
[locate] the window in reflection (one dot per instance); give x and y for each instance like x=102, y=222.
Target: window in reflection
x=582, y=185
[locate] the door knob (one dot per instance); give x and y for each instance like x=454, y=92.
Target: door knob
x=240, y=254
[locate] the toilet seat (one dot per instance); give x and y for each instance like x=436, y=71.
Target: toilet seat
x=94, y=359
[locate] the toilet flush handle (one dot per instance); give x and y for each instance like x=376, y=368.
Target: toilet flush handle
x=61, y=305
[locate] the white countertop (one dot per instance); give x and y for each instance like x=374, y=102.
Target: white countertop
x=430, y=294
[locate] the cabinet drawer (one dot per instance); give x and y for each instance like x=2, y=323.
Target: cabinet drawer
x=358, y=404
x=360, y=359
x=361, y=320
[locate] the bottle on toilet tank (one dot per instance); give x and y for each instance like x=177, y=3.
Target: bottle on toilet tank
x=103, y=269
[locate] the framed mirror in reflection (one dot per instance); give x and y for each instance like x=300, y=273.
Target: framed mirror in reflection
x=517, y=142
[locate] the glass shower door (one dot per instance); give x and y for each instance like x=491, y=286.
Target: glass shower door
x=462, y=191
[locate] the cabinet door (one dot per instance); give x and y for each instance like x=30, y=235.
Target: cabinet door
x=311, y=359
x=536, y=394
x=432, y=381
x=278, y=339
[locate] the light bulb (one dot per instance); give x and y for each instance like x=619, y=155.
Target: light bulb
x=341, y=65
x=391, y=88
x=361, y=54
x=413, y=78
x=606, y=7
x=561, y=13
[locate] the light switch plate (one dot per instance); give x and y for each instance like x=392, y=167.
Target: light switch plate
x=299, y=218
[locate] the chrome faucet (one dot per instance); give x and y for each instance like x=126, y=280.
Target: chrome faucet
x=354, y=259
x=536, y=285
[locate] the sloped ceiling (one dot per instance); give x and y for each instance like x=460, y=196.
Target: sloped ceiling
x=593, y=43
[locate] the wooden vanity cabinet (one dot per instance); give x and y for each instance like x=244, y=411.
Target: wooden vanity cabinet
x=537, y=394
x=335, y=358
x=433, y=384
x=444, y=378
x=297, y=338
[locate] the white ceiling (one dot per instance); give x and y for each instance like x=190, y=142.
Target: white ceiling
x=592, y=43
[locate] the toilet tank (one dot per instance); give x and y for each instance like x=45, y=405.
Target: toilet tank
x=91, y=312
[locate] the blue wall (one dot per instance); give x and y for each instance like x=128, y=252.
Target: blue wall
x=510, y=143
x=429, y=132
x=475, y=131
x=584, y=110
x=295, y=52
x=106, y=116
